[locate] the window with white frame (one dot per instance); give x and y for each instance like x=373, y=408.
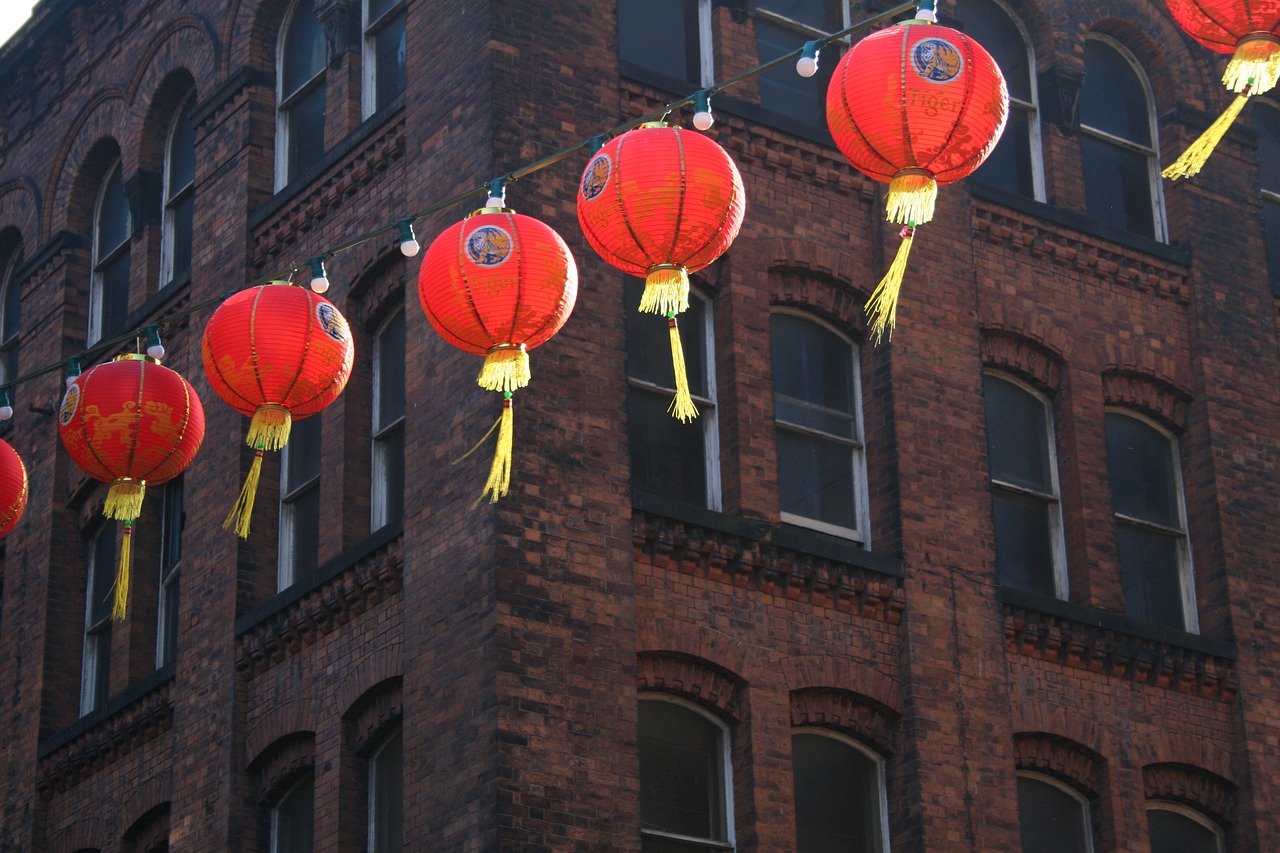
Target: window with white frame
x=292, y=817
x=172, y=520
x=1025, y=500
x=179, y=195
x=384, y=53
x=386, y=795
x=1266, y=120
x=1015, y=165
x=686, y=799
x=782, y=26
x=669, y=38
x=1121, y=161
x=388, y=423
x=10, y=316
x=109, y=284
x=1053, y=817
x=1173, y=828
x=668, y=457
x=300, y=503
x=300, y=93
x=1151, y=523
x=100, y=580
x=817, y=394
x=840, y=798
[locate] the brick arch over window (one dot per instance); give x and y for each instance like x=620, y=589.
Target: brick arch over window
x=1160, y=47
x=841, y=674
x=821, y=294
x=1157, y=398
x=858, y=716
x=379, y=288
x=697, y=680
x=148, y=833
x=186, y=40
x=1035, y=357
x=374, y=714
x=280, y=765
x=280, y=722
x=1192, y=786
x=1061, y=758
x=86, y=834
x=77, y=172
x=20, y=209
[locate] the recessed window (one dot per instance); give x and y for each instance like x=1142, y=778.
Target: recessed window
x=1266, y=120
x=1121, y=162
x=839, y=796
x=818, y=410
x=179, y=195
x=1053, y=818
x=388, y=423
x=1151, y=526
x=1015, y=165
x=1024, y=488
x=300, y=503
x=172, y=520
x=300, y=96
x=384, y=53
x=292, y=818
x=685, y=786
x=1173, y=829
x=10, y=317
x=669, y=457
x=668, y=38
x=782, y=26
x=386, y=795
x=109, y=284
x=99, y=594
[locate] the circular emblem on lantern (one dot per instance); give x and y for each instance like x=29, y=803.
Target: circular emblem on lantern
x=596, y=177
x=488, y=246
x=333, y=323
x=937, y=61
x=70, y=402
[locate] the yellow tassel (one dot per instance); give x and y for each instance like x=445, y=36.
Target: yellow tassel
x=269, y=427
x=499, y=482
x=882, y=307
x=912, y=195
x=666, y=290
x=1197, y=153
x=121, y=601
x=243, y=509
x=124, y=499
x=682, y=406
x=1255, y=65
x=506, y=368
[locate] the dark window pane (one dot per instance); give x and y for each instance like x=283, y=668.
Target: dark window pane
x=386, y=778
x=169, y=621
x=782, y=90
x=825, y=15
x=816, y=479
x=389, y=46
x=1143, y=481
x=172, y=523
x=1271, y=227
x=837, y=797
x=304, y=52
x=391, y=372
x=1024, y=544
x=293, y=819
x=391, y=471
x=1113, y=98
x=1151, y=572
x=649, y=342
x=681, y=772
x=304, y=539
x=992, y=28
x=661, y=36
x=1009, y=165
x=115, y=294
x=813, y=375
x=303, y=452
x=182, y=150
x=378, y=8
x=1052, y=820
x=306, y=131
x=183, y=214
x=103, y=579
x=667, y=457
x=1017, y=436
x=1267, y=122
x=1117, y=186
x=1170, y=832
x=101, y=672
x=113, y=222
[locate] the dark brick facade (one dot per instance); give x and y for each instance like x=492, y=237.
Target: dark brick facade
x=511, y=641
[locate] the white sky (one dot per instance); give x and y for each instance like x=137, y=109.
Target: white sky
x=13, y=14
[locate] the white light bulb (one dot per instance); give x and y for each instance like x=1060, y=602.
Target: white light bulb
x=495, y=201
x=409, y=248
x=703, y=119
x=807, y=66
x=320, y=284
x=156, y=351
x=6, y=412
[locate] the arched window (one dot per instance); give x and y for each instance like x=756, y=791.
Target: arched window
x=1053, y=818
x=1015, y=164
x=179, y=195
x=10, y=315
x=1121, y=162
x=292, y=817
x=109, y=285
x=1266, y=120
x=388, y=423
x=384, y=53
x=1151, y=523
x=669, y=458
x=300, y=96
x=1175, y=829
x=840, y=797
x=686, y=799
x=1024, y=487
x=817, y=393
x=386, y=795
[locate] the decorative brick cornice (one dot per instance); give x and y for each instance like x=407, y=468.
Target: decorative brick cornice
x=1190, y=786
x=1060, y=757
x=124, y=731
x=355, y=589
x=696, y=680
x=857, y=716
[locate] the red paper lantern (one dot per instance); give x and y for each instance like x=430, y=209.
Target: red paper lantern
x=1249, y=30
x=915, y=106
x=13, y=488
x=498, y=284
x=661, y=202
x=277, y=352
x=130, y=422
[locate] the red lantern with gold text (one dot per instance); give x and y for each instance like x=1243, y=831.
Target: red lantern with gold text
x=130, y=422
x=498, y=284
x=915, y=106
x=13, y=488
x=662, y=202
x=1246, y=29
x=277, y=352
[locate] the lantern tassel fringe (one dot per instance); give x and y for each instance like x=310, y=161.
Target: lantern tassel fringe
x=120, y=601
x=882, y=307
x=1255, y=66
x=666, y=290
x=124, y=500
x=505, y=369
x=913, y=194
x=242, y=512
x=269, y=428
x=682, y=406
x=1197, y=153
x=499, y=482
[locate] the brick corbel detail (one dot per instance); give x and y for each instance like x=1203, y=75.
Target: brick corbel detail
x=1191, y=786
x=1059, y=757
x=696, y=680
x=859, y=717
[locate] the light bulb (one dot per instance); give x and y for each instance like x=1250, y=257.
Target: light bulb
x=319, y=278
x=6, y=412
x=409, y=248
x=703, y=119
x=807, y=64
x=320, y=284
x=156, y=351
x=408, y=240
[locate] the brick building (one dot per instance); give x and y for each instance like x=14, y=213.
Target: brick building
x=1005, y=580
